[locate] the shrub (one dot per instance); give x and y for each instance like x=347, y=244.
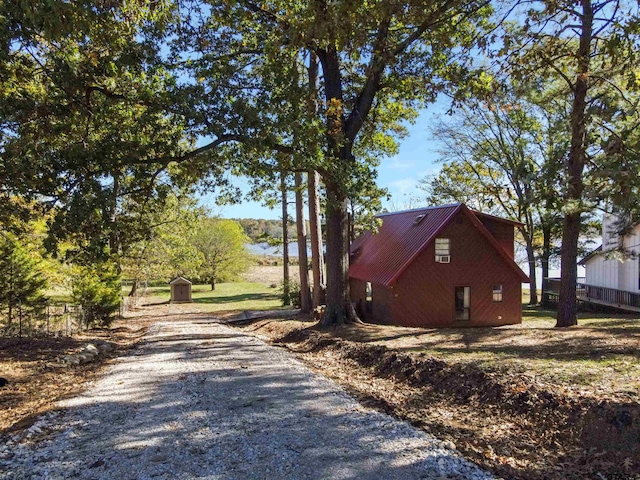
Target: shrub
x=292, y=293
x=97, y=290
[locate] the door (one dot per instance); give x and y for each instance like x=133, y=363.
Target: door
x=462, y=302
x=182, y=293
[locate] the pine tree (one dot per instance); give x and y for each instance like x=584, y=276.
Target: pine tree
x=21, y=279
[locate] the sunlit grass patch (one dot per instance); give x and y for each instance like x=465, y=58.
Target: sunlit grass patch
x=227, y=296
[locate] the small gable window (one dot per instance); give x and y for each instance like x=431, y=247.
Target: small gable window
x=443, y=250
x=497, y=293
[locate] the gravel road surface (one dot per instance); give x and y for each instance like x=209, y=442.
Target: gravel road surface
x=200, y=400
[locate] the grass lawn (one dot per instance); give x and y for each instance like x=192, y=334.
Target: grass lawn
x=58, y=295
x=601, y=356
x=226, y=297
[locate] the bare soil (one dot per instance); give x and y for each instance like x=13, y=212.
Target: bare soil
x=507, y=421
x=37, y=378
x=513, y=399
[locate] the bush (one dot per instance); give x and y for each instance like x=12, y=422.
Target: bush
x=97, y=290
x=293, y=293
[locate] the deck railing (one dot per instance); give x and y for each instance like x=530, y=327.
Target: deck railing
x=610, y=295
x=592, y=293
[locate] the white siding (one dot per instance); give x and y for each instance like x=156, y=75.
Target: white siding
x=631, y=279
x=621, y=274
x=601, y=272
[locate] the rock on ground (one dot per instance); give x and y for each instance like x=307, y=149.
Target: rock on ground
x=200, y=400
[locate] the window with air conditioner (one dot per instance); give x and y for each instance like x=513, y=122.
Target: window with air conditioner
x=443, y=250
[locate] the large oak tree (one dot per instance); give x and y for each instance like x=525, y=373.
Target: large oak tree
x=378, y=63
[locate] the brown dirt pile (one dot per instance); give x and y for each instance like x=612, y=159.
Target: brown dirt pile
x=507, y=423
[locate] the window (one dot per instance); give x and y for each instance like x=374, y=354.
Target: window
x=368, y=298
x=443, y=251
x=497, y=293
x=463, y=300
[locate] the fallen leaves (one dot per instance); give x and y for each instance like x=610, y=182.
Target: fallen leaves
x=510, y=422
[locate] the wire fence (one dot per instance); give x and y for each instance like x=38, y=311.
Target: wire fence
x=132, y=300
x=51, y=320
x=54, y=319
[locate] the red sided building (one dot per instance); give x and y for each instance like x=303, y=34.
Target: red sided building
x=444, y=266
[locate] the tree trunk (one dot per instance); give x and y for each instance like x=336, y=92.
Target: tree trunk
x=286, y=281
x=317, y=256
x=10, y=313
x=340, y=138
x=305, y=294
x=567, y=307
x=114, y=237
x=544, y=262
x=339, y=309
x=213, y=283
x=11, y=287
x=531, y=260
x=134, y=288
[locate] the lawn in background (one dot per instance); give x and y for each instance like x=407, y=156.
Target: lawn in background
x=237, y=296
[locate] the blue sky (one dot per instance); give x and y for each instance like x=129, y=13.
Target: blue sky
x=399, y=174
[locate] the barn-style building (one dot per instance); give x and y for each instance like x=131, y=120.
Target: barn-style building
x=443, y=266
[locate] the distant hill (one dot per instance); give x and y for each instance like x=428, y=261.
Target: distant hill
x=258, y=227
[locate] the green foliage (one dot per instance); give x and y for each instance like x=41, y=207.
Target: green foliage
x=84, y=116
x=290, y=293
x=504, y=156
x=97, y=289
x=21, y=278
x=595, y=60
x=165, y=250
x=221, y=244
x=259, y=229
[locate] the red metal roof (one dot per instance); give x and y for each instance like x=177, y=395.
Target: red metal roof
x=499, y=219
x=384, y=256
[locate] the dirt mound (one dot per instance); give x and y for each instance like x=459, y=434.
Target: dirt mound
x=577, y=437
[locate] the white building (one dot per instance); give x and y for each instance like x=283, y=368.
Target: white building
x=607, y=266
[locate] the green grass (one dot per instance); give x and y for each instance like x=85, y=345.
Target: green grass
x=600, y=355
x=58, y=295
x=534, y=316
x=227, y=296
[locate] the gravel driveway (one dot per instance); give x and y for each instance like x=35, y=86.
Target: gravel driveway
x=200, y=400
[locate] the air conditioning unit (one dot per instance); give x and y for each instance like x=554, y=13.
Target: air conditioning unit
x=443, y=258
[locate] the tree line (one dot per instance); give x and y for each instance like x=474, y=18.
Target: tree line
x=182, y=240
x=111, y=108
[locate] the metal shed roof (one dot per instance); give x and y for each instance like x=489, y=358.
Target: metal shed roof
x=384, y=256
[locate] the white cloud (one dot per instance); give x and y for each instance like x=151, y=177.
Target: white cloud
x=403, y=186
